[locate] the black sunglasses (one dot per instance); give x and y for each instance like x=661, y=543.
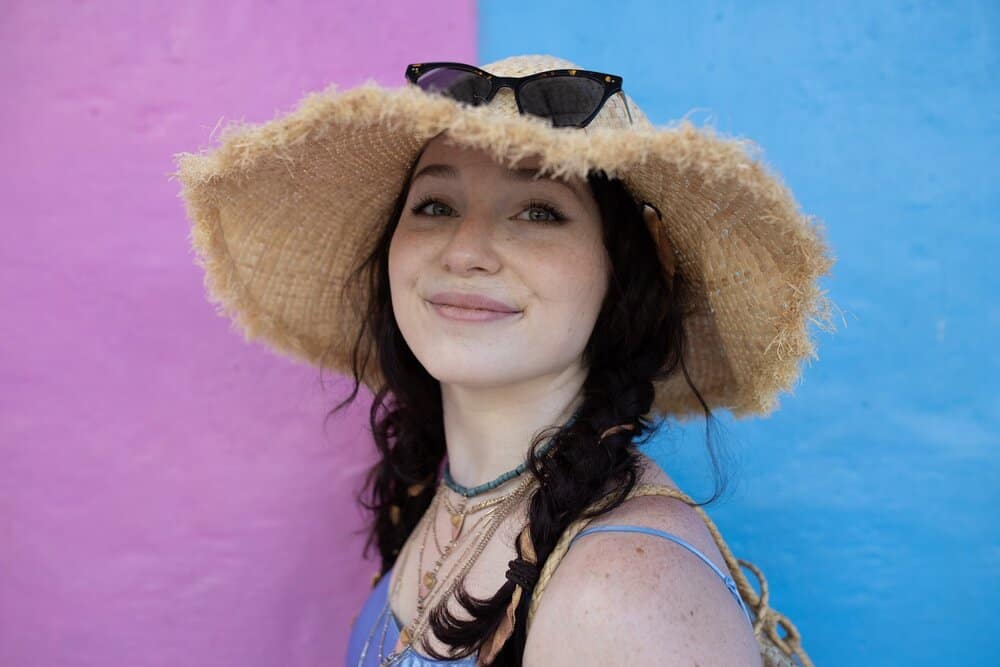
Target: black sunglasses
x=568, y=97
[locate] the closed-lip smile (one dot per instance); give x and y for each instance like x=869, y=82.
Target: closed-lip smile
x=471, y=301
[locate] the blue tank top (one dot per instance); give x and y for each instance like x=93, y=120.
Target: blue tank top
x=376, y=629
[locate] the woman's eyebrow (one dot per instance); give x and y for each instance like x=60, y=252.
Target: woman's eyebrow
x=443, y=170
x=528, y=174
x=520, y=175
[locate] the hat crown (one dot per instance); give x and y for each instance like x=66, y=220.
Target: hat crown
x=526, y=65
x=613, y=114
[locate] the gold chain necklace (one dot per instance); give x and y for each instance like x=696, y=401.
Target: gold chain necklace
x=416, y=630
x=456, y=538
x=427, y=581
x=458, y=514
x=428, y=524
x=419, y=627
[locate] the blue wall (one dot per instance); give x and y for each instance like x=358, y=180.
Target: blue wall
x=868, y=498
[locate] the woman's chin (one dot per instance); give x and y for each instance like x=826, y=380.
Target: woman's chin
x=473, y=375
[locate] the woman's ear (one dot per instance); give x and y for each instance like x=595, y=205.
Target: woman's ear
x=657, y=229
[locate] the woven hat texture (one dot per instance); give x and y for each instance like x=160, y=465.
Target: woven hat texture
x=283, y=211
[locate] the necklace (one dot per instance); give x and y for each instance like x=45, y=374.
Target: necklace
x=470, y=492
x=427, y=582
x=457, y=526
x=457, y=514
x=457, y=521
x=427, y=524
x=415, y=631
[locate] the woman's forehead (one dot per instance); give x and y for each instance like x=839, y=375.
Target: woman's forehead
x=442, y=149
x=442, y=158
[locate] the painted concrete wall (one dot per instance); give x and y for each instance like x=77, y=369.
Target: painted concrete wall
x=869, y=499
x=167, y=493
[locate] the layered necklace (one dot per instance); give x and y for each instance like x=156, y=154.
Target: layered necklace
x=467, y=540
x=469, y=535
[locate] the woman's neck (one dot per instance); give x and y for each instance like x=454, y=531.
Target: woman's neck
x=488, y=431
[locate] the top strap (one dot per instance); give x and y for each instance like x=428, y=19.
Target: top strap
x=727, y=580
x=765, y=620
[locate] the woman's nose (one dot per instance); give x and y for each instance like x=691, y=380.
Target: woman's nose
x=470, y=245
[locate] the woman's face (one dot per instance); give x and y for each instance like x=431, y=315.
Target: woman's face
x=471, y=226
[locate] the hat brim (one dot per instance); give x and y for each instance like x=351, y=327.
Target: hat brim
x=281, y=213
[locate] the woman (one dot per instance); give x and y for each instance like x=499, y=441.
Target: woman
x=522, y=275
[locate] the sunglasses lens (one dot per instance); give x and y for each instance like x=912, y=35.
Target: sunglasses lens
x=456, y=83
x=566, y=100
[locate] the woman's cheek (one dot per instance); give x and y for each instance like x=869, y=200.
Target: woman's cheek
x=402, y=274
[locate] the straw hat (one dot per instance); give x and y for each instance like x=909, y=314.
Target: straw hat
x=283, y=211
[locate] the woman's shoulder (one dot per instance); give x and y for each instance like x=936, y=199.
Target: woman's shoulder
x=640, y=588
x=660, y=512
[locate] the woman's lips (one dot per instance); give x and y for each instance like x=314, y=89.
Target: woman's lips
x=471, y=300
x=469, y=314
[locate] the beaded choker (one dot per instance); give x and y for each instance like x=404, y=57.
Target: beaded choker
x=470, y=492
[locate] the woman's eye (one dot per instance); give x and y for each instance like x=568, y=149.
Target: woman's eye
x=433, y=205
x=549, y=214
x=539, y=212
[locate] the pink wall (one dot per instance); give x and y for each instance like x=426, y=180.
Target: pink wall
x=167, y=494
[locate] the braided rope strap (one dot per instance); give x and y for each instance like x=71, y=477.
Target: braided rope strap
x=776, y=651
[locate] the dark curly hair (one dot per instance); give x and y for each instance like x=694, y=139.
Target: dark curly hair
x=638, y=338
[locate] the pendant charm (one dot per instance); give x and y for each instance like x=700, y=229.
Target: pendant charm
x=427, y=583
x=457, y=522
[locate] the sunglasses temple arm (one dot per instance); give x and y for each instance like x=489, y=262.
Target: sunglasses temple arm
x=625, y=100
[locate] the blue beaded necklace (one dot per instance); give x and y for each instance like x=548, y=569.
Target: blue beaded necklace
x=470, y=492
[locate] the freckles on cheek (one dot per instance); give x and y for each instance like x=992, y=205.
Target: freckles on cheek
x=574, y=289
x=401, y=261
x=400, y=278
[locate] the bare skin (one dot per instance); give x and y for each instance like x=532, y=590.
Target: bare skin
x=488, y=573
x=620, y=598
x=708, y=630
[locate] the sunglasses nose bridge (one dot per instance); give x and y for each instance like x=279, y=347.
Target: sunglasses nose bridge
x=497, y=83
